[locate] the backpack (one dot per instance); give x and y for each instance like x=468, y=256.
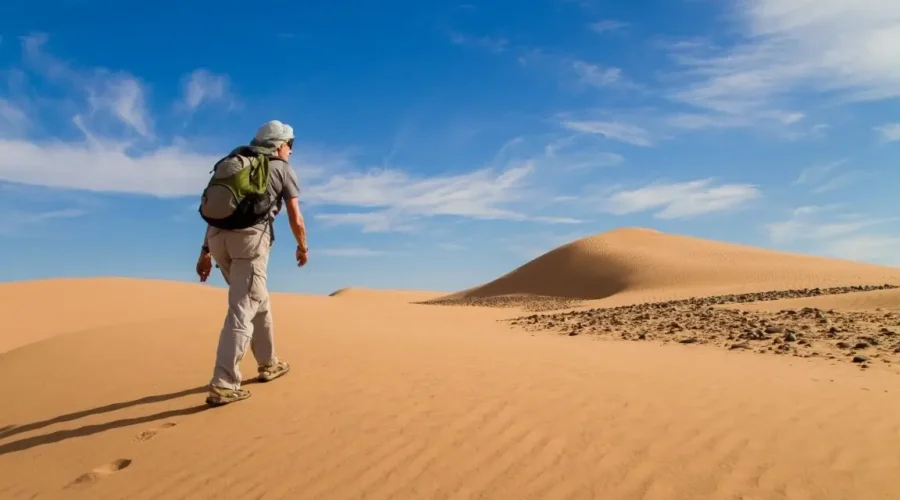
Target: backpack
x=236, y=195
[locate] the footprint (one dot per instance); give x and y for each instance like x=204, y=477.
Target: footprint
x=102, y=471
x=152, y=432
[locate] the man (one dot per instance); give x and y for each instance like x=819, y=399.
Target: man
x=242, y=254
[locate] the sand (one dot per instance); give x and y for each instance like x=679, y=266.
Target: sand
x=392, y=399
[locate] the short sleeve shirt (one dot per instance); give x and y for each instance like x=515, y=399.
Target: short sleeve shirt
x=283, y=185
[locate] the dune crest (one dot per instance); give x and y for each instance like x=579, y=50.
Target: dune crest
x=646, y=260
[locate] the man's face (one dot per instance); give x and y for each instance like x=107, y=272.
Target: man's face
x=286, y=149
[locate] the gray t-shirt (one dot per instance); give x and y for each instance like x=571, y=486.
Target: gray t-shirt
x=283, y=186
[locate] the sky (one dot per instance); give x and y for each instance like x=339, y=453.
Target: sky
x=442, y=144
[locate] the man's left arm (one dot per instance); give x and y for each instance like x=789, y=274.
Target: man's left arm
x=204, y=262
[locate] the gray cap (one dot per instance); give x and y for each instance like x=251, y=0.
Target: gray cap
x=273, y=132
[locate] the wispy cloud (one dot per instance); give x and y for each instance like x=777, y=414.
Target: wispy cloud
x=112, y=93
x=831, y=231
x=12, y=119
x=597, y=76
x=875, y=248
x=123, y=96
x=682, y=199
x=826, y=177
x=13, y=223
x=104, y=166
x=843, y=50
x=398, y=199
x=203, y=86
x=607, y=25
x=617, y=131
x=889, y=132
x=495, y=45
x=817, y=173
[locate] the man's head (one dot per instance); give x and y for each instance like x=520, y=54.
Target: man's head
x=277, y=136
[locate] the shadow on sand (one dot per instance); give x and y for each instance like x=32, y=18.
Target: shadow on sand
x=87, y=430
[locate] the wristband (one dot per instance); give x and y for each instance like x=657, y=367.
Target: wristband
x=204, y=249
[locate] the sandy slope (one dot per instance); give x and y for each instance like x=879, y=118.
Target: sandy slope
x=634, y=264
x=41, y=309
x=392, y=400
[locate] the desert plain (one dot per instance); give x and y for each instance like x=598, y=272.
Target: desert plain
x=633, y=364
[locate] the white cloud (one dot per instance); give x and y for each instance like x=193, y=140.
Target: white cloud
x=889, y=132
x=123, y=97
x=371, y=222
x=844, y=49
x=607, y=25
x=491, y=44
x=204, y=86
x=682, y=199
x=400, y=199
x=826, y=230
x=617, y=131
x=11, y=116
x=597, y=76
x=13, y=222
x=575, y=153
x=878, y=249
x=104, y=167
x=817, y=173
x=825, y=179
x=114, y=93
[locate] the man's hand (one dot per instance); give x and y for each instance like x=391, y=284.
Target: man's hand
x=204, y=266
x=302, y=256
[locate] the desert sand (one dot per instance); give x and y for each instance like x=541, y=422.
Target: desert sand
x=390, y=397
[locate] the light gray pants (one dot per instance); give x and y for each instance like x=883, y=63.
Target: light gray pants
x=243, y=256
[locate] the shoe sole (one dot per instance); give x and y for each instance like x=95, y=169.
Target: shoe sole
x=273, y=377
x=214, y=401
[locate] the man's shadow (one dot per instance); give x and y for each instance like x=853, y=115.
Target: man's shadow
x=87, y=430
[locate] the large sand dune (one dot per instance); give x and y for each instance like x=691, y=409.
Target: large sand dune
x=637, y=263
x=104, y=385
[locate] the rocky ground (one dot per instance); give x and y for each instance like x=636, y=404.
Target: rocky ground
x=534, y=303
x=858, y=337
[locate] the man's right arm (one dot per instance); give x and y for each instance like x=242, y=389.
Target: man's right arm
x=295, y=218
x=291, y=195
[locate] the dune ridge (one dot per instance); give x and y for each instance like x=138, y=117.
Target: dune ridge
x=640, y=262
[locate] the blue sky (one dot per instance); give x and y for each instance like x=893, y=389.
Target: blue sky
x=442, y=144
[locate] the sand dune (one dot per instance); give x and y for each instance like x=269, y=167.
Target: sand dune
x=389, y=399
x=639, y=263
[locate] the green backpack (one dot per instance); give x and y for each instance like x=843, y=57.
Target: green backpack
x=235, y=197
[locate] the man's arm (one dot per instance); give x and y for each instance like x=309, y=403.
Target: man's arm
x=295, y=218
x=291, y=195
x=205, y=248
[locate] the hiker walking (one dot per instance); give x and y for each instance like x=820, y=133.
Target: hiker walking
x=244, y=194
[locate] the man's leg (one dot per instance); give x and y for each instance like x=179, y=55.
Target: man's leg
x=246, y=293
x=263, y=341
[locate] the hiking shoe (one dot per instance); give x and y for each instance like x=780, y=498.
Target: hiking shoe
x=218, y=396
x=273, y=371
